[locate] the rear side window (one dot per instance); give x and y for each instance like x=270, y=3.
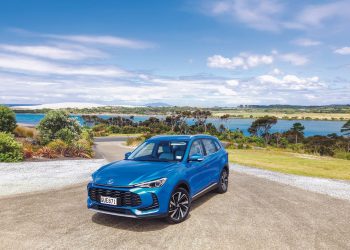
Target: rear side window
x=196, y=148
x=209, y=145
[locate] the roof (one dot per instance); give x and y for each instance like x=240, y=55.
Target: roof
x=179, y=137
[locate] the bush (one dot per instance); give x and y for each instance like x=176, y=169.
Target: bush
x=58, y=146
x=341, y=154
x=58, y=125
x=81, y=148
x=46, y=152
x=67, y=135
x=10, y=149
x=7, y=119
x=25, y=132
x=28, y=151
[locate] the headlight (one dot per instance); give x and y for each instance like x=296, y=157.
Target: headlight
x=152, y=184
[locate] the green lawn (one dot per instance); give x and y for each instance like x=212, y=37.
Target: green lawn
x=293, y=163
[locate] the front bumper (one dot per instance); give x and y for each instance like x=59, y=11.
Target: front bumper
x=151, y=202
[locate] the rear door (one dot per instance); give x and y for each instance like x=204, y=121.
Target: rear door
x=197, y=174
x=213, y=160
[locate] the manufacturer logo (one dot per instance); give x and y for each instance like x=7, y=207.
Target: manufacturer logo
x=110, y=182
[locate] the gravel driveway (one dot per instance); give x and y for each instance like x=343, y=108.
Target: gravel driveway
x=27, y=177
x=259, y=211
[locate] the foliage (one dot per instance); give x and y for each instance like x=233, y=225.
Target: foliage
x=261, y=127
x=297, y=131
x=58, y=146
x=7, y=119
x=10, y=149
x=80, y=148
x=46, y=152
x=346, y=128
x=58, y=125
x=25, y=132
x=28, y=151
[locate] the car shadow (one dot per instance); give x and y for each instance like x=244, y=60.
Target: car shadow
x=143, y=225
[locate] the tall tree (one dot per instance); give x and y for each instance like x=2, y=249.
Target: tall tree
x=346, y=128
x=298, y=131
x=262, y=126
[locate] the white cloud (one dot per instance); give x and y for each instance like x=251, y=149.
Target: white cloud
x=290, y=82
x=343, y=51
x=52, y=52
x=276, y=15
x=305, y=42
x=30, y=65
x=103, y=40
x=316, y=15
x=294, y=59
x=244, y=61
x=232, y=82
x=260, y=15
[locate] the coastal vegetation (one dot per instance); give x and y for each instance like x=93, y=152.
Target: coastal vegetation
x=285, y=112
x=57, y=135
x=261, y=137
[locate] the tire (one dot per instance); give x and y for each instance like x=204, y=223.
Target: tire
x=223, y=182
x=179, y=206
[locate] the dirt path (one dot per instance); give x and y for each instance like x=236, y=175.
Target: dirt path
x=254, y=213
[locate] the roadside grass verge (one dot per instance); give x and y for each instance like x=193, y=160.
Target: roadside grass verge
x=292, y=163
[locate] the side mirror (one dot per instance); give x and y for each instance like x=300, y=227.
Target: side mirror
x=196, y=157
x=127, y=155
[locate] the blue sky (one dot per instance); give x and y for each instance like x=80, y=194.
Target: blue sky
x=199, y=53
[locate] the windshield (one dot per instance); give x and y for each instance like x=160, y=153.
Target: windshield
x=159, y=151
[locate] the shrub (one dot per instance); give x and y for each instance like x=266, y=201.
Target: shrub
x=46, y=152
x=58, y=146
x=81, y=148
x=58, y=124
x=135, y=141
x=67, y=135
x=7, y=119
x=341, y=154
x=21, y=131
x=87, y=135
x=10, y=149
x=28, y=151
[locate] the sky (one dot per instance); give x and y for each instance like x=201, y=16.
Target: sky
x=184, y=52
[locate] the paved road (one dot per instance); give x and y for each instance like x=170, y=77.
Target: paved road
x=254, y=213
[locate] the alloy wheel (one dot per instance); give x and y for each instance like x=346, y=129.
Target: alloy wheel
x=179, y=206
x=224, y=180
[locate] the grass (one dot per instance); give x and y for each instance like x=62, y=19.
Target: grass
x=280, y=115
x=293, y=163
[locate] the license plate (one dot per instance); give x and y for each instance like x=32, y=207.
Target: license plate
x=109, y=200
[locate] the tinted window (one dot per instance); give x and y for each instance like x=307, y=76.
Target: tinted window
x=209, y=145
x=159, y=151
x=196, y=148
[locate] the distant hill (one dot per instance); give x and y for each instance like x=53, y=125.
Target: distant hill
x=158, y=104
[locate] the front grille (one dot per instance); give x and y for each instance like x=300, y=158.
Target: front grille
x=126, y=198
x=155, y=203
x=112, y=209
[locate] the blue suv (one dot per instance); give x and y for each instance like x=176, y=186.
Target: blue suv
x=160, y=178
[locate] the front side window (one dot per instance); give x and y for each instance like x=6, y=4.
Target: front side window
x=196, y=148
x=209, y=145
x=159, y=151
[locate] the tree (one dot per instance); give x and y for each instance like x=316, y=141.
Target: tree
x=224, y=119
x=200, y=117
x=7, y=119
x=298, y=131
x=262, y=126
x=346, y=128
x=58, y=125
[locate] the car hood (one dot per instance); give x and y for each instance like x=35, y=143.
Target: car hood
x=129, y=172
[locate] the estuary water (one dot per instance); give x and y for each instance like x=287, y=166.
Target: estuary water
x=311, y=127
